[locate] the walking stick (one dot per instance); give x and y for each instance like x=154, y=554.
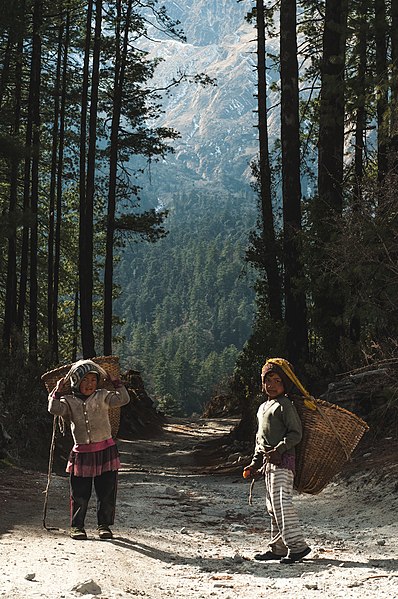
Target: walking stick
x=50, y=467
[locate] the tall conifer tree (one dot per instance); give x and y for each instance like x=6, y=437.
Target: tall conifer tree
x=294, y=287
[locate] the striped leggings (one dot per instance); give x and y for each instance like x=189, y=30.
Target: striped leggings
x=286, y=534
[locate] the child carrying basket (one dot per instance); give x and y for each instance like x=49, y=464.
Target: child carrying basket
x=301, y=443
x=80, y=398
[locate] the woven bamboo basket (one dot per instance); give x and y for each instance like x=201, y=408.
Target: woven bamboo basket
x=109, y=364
x=330, y=435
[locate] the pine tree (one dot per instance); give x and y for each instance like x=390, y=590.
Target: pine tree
x=294, y=291
x=328, y=296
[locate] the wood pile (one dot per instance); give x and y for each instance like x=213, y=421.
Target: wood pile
x=365, y=390
x=139, y=417
x=221, y=406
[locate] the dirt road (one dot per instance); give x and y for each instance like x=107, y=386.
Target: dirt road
x=183, y=531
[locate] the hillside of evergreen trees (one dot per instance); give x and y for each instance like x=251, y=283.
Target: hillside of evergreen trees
x=187, y=300
x=81, y=115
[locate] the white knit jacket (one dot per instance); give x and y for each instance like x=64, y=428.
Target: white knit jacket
x=88, y=418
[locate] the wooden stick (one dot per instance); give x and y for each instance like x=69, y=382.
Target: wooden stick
x=50, y=467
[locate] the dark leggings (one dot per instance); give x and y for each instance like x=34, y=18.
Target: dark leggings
x=105, y=487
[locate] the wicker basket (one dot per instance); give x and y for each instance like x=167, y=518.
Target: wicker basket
x=330, y=435
x=108, y=363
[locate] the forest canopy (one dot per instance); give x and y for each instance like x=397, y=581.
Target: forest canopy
x=78, y=104
x=327, y=285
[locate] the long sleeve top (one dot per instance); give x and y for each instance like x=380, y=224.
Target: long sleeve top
x=279, y=427
x=88, y=418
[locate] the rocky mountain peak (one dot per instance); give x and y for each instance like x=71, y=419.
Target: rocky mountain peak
x=217, y=123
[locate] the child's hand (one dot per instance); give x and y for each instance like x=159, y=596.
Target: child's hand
x=111, y=377
x=248, y=472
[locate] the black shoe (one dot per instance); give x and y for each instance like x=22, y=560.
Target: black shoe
x=78, y=534
x=295, y=557
x=268, y=555
x=104, y=532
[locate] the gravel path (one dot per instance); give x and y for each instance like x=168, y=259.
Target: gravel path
x=182, y=531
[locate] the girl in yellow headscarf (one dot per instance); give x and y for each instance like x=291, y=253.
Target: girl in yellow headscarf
x=279, y=431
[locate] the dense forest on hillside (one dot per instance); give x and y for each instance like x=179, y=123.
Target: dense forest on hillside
x=80, y=118
x=327, y=285
x=187, y=300
x=76, y=105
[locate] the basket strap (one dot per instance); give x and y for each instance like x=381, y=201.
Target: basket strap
x=308, y=399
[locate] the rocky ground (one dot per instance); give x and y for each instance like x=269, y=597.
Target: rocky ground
x=184, y=528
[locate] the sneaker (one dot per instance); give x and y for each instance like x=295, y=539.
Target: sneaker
x=78, y=534
x=104, y=532
x=295, y=557
x=268, y=555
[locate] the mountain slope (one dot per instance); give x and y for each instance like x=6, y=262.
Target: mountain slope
x=187, y=300
x=217, y=124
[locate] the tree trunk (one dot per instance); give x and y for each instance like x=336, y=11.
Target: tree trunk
x=5, y=69
x=61, y=144
x=51, y=205
x=10, y=308
x=13, y=18
x=295, y=302
x=268, y=231
x=35, y=82
x=331, y=125
x=24, y=260
x=10, y=304
x=360, y=134
x=120, y=66
x=75, y=327
x=328, y=298
x=382, y=89
x=360, y=121
x=87, y=192
x=110, y=229
x=394, y=87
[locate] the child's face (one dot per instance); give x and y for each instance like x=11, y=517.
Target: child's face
x=88, y=383
x=272, y=385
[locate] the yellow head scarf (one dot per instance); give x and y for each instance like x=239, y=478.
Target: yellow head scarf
x=286, y=368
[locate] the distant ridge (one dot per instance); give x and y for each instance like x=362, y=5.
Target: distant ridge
x=217, y=124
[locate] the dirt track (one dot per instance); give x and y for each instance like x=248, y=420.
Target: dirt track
x=184, y=531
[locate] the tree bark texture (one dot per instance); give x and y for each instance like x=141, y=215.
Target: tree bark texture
x=87, y=197
x=34, y=202
x=120, y=67
x=381, y=32
x=331, y=118
x=24, y=255
x=360, y=121
x=268, y=230
x=10, y=307
x=53, y=179
x=295, y=301
x=394, y=87
x=59, y=181
x=328, y=297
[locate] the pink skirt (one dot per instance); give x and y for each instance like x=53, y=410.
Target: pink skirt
x=94, y=463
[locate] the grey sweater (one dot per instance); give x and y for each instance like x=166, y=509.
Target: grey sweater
x=88, y=418
x=279, y=427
